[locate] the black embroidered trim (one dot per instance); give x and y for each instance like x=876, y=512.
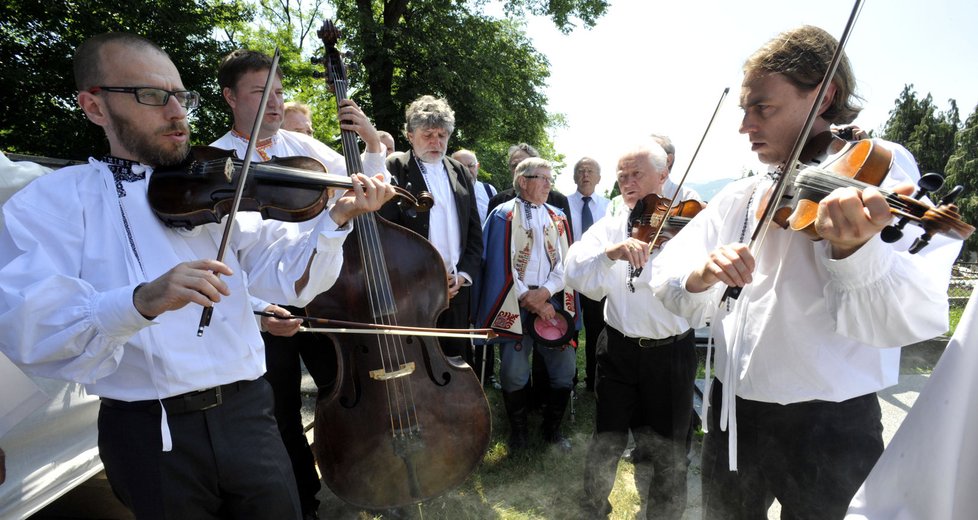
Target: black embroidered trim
x=122, y=172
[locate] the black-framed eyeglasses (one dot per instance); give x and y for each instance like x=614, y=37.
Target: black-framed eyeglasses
x=548, y=179
x=155, y=97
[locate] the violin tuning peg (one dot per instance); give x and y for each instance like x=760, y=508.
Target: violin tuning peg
x=317, y=60
x=920, y=243
x=952, y=195
x=891, y=234
x=318, y=75
x=929, y=182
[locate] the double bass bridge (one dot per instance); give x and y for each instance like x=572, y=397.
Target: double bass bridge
x=382, y=374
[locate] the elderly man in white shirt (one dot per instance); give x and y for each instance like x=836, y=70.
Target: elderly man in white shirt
x=645, y=370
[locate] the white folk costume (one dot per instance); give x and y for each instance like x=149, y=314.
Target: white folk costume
x=316, y=350
x=928, y=470
x=809, y=330
x=76, y=244
x=644, y=374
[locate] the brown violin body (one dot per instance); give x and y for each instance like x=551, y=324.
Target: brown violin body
x=859, y=165
x=403, y=423
x=655, y=219
x=202, y=189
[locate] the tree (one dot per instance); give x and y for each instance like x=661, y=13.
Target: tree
x=927, y=133
x=962, y=168
x=38, y=112
x=486, y=68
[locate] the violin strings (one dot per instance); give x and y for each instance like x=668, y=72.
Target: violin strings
x=399, y=388
x=825, y=182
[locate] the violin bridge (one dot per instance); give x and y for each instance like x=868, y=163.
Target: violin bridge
x=383, y=375
x=229, y=169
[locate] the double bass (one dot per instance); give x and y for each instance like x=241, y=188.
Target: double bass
x=403, y=423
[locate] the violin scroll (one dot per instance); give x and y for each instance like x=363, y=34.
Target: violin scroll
x=928, y=183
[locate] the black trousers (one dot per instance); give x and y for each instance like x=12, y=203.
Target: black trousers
x=592, y=312
x=654, y=384
x=811, y=456
x=284, y=373
x=227, y=461
x=457, y=317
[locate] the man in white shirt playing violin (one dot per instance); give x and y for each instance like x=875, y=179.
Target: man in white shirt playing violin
x=817, y=329
x=97, y=290
x=645, y=369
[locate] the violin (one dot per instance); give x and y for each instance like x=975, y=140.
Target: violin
x=655, y=219
x=862, y=164
x=201, y=189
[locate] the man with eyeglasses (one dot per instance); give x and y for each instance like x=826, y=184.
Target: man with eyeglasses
x=241, y=76
x=516, y=154
x=98, y=291
x=522, y=293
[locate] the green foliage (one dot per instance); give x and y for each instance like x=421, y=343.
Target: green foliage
x=291, y=27
x=487, y=69
x=962, y=168
x=38, y=112
x=928, y=134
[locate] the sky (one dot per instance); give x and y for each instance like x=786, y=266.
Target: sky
x=652, y=66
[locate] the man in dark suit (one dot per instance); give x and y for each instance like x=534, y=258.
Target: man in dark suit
x=453, y=224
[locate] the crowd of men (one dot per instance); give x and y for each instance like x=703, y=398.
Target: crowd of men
x=98, y=291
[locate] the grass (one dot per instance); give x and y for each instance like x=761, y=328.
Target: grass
x=954, y=317
x=541, y=483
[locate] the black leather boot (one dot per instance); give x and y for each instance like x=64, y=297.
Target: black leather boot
x=516, y=407
x=553, y=414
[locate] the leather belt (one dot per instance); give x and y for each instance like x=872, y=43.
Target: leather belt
x=651, y=342
x=196, y=401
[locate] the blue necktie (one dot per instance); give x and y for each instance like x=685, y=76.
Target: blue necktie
x=586, y=217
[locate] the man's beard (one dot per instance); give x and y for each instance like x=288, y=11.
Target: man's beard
x=140, y=142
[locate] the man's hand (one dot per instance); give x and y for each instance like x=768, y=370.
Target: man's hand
x=352, y=118
x=280, y=326
x=454, y=284
x=189, y=282
x=368, y=194
x=731, y=264
x=537, y=301
x=631, y=250
x=848, y=218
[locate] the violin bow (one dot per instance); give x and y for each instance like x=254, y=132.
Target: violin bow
x=205, y=315
x=352, y=327
x=675, y=198
x=778, y=191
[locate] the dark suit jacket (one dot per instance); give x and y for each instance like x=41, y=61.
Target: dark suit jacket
x=405, y=171
x=555, y=198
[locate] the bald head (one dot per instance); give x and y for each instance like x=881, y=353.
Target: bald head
x=469, y=160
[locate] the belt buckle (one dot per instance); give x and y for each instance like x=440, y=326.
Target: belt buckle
x=217, y=399
x=646, y=342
